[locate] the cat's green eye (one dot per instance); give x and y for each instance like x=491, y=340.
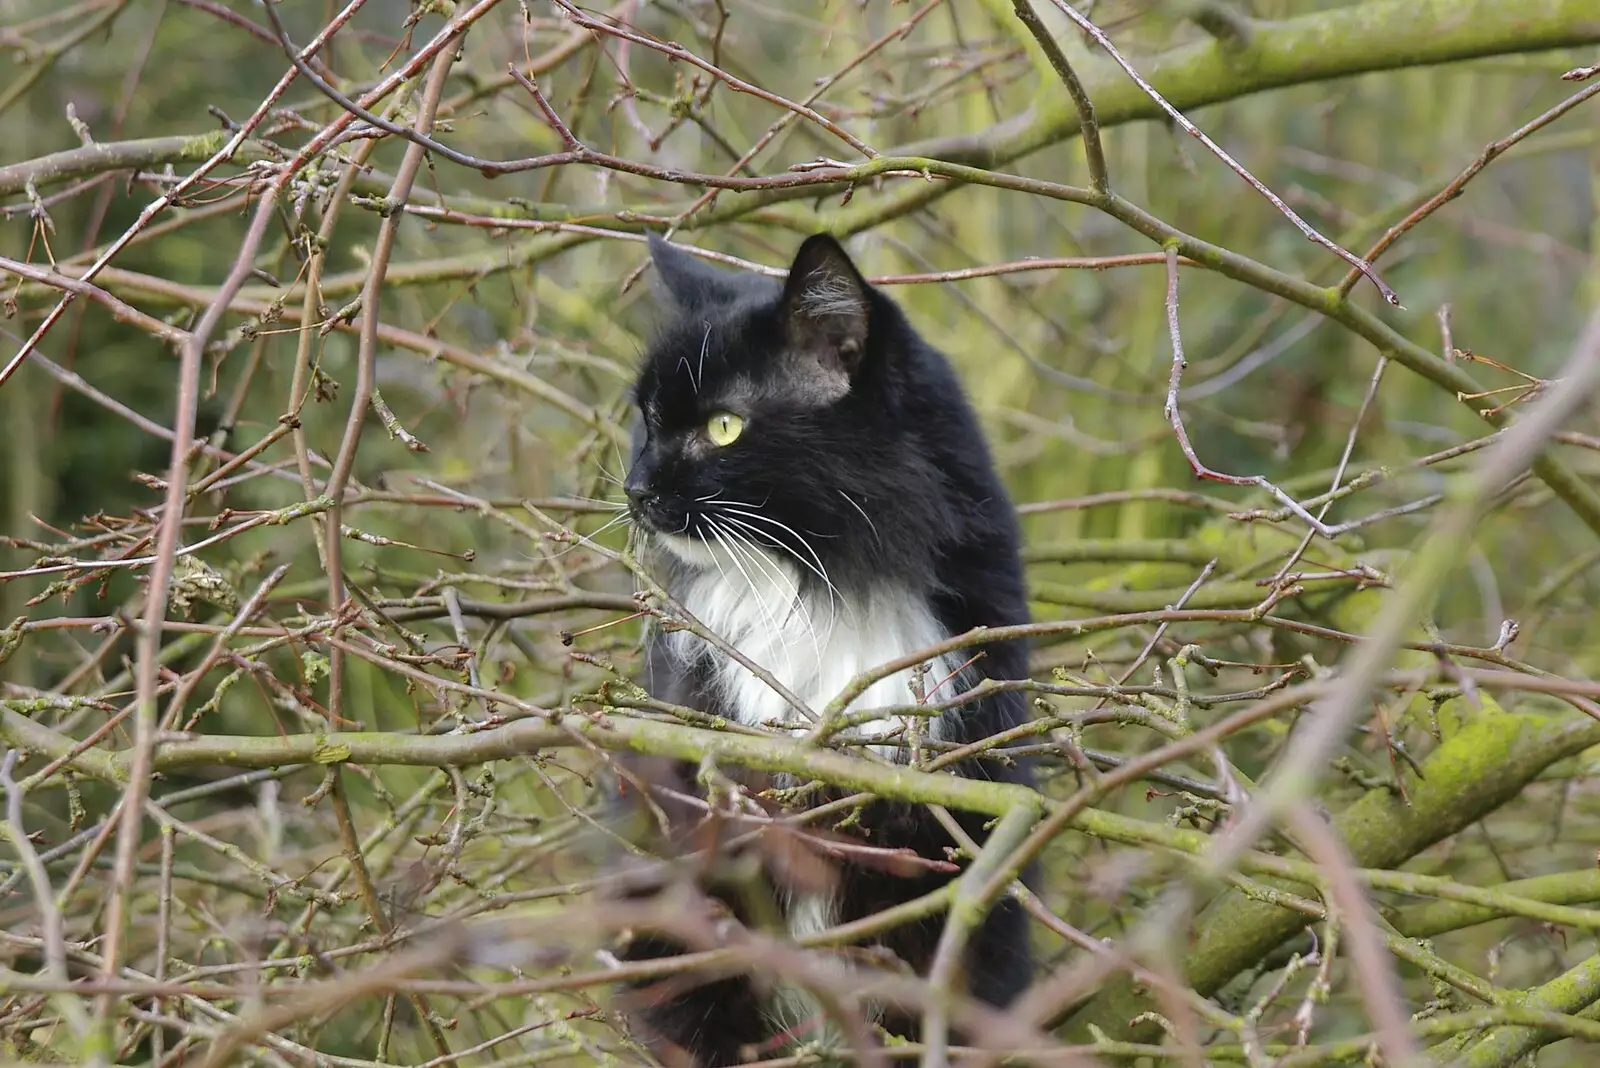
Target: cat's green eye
x=724, y=428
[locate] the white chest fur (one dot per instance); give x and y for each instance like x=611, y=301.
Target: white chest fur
x=812, y=643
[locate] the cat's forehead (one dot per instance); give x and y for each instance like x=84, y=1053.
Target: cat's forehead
x=706, y=362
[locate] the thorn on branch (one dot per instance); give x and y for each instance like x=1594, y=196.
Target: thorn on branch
x=79, y=127
x=392, y=424
x=1509, y=629
x=222, y=117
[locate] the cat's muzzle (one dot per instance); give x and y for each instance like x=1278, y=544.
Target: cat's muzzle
x=655, y=512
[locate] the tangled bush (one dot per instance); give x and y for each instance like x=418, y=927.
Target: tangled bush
x=321, y=630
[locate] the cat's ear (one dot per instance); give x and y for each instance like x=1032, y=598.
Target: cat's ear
x=690, y=283
x=826, y=307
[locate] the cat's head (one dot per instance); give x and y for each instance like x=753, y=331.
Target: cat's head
x=772, y=415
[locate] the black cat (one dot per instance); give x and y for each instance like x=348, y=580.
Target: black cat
x=824, y=501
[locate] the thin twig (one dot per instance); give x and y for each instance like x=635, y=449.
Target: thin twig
x=1088, y=125
x=1456, y=185
x=55, y=945
x=1304, y=227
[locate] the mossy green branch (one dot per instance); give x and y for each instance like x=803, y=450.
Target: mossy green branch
x=994, y=869
x=1113, y=550
x=148, y=153
x=1505, y=750
x=1559, y=888
x=1223, y=595
x=1352, y=1051
x=1357, y=39
x=1339, y=42
x=1486, y=759
x=1571, y=992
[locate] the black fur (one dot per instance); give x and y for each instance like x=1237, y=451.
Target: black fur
x=859, y=439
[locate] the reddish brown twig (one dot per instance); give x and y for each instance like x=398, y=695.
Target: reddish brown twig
x=1453, y=189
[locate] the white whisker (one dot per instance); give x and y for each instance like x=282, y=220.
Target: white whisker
x=834, y=596
x=588, y=540
x=620, y=518
x=761, y=602
x=864, y=515
x=769, y=567
x=814, y=565
x=599, y=502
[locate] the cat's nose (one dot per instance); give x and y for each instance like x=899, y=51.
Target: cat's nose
x=638, y=491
